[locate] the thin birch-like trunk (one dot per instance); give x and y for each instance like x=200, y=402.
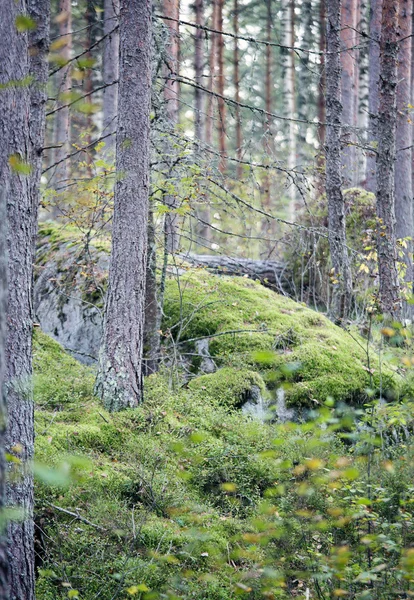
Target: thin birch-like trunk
x=110, y=74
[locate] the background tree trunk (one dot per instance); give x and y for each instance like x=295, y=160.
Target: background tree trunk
x=322, y=75
x=348, y=90
x=268, y=107
x=119, y=381
x=403, y=177
x=62, y=122
x=220, y=89
x=236, y=67
x=373, y=95
x=199, y=70
x=171, y=95
x=336, y=209
x=387, y=120
x=110, y=74
x=290, y=100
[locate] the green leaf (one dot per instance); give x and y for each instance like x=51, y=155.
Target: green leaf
x=18, y=165
x=24, y=23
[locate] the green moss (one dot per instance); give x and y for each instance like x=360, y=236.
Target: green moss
x=228, y=386
x=251, y=326
x=51, y=364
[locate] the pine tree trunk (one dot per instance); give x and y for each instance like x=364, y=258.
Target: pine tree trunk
x=152, y=321
x=387, y=120
x=22, y=122
x=171, y=95
x=212, y=64
x=348, y=91
x=290, y=100
x=322, y=75
x=198, y=70
x=62, y=123
x=342, y=280
x=88, y=82
x=110, y=74
x=119, y=381
x=373, y=95
x=4, y=563
x=14, y=133
x=268, y=108
x=236, y=60
x=403, y=176
x=220, y=89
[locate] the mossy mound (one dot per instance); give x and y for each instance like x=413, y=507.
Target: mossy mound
x=251, y=327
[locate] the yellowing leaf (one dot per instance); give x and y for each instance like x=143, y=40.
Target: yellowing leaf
x=18, y=165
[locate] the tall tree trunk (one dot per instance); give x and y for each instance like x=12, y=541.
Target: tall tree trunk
x=110, y=74
x=373, y=95
x=236, y=60
x=62, y=123
x=4, y=563
x=290, y=99
x=119, y=381
x=171, y=94
x=387, y=121
x=22, y=121
x=198, y=70
x=403, y=176
x=212, y=64
x=342, y=284
x=203, y=213
x=220, y=88
x=268, y=106
x=322, y=75
x=320, y=182
x=152, y=321
x=348, y=91
x=88, y=82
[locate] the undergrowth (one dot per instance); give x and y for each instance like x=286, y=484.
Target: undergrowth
x=186, y=497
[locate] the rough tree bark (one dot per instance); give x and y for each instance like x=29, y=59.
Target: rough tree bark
x=171, y=95
x=342, y=289
x=220, y=89
x=236, y=66
x=373, y=94
x=403, y=177
x=119, y=381
x=22, y=119
x=4, y=564
x=62, y=122
x=387, y=120
x=110, y=74
x=348, y=91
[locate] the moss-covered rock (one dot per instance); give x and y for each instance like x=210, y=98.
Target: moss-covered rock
x=230, y=387
x=251, y=327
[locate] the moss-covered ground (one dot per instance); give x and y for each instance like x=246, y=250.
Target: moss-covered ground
x=186, y=497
